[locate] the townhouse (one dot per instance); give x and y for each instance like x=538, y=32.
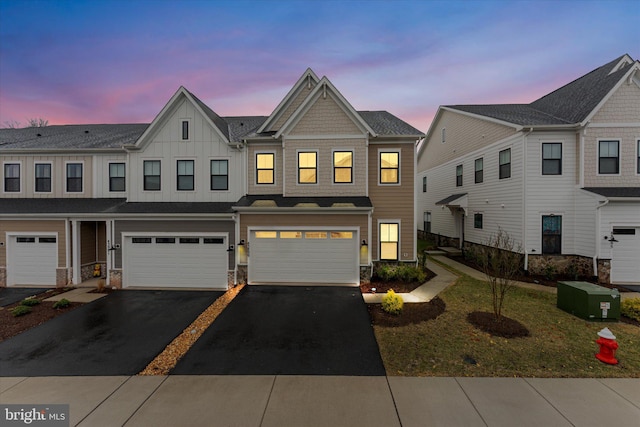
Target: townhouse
x=561, y=175
x=317, y=192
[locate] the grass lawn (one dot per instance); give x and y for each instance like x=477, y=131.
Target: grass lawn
x=560, y=345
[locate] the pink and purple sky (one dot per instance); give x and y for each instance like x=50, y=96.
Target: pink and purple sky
x=119, y=61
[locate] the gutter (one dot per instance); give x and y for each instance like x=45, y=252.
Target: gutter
x=524, y=197
x=118, y=216
x=304, y=210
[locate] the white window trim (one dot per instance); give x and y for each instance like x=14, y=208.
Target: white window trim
x=195, y=175
x=562, y=157
x=126, y=181
x=510, y=163
x=310, y=150
x=461, y=165
x=333, y=166
x=424, y=184
x=562, y=233
x=36, y=163
x=255, y=169
x=474, y=220
x=20, y=176
x=379, y=166
x=228, y=190
x=84, y=174
x=391, y=221
x=474, y=171
x=189, y=130
x=161, y=175
x=619, y=140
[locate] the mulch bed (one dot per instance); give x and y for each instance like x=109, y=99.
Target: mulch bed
x=398, y=287
x=11, y=326
x=411, y=313
x=505, y=328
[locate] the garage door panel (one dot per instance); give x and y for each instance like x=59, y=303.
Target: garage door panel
x=176, y=264
x=625, y=263
x=32, y=260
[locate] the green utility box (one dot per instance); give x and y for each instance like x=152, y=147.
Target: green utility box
x=589, y=301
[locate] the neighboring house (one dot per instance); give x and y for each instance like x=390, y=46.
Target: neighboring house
x=314, y=193
x=561, y=175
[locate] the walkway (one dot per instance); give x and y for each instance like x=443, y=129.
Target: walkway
x=310, y=401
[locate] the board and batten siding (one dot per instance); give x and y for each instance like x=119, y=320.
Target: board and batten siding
x=204, y=144
x=34, y=226
x=393, y=202
x=101, y=174
x=179, y=227
x=58, y=175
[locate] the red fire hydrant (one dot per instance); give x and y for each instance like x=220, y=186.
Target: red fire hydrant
x=608, y=347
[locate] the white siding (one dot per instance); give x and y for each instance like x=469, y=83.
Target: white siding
x=205, y=144
x=586, y=234
x=101, y=171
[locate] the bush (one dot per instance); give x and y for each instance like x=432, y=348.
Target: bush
x=30, y=302
x=392, y=303
x=20, y=310
x=62, y=303
x=401, y=273
x=631, y=308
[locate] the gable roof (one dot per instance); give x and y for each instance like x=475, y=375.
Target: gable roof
x=385, y=123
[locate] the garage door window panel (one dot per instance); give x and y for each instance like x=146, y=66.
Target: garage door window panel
x=141, y=240
x=213, y=240
x=166, y=240
x=266, y=234
x=389, y=241
x=315, y=235
x=341, y=235
x=291, y=235
x=190, y=240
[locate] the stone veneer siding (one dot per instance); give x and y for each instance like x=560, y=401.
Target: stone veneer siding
x=115, y=278
x=3, y=277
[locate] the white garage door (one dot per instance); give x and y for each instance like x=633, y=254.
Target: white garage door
x=625, y=264
x=304, y=256
x=32, y=260
x=175, y=261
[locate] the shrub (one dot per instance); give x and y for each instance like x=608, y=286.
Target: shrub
x=62, y=303
x=385, y=272
x=401, y=273
x=392, y=302
x=631, y=308
x=30, y=302
x=20, y=310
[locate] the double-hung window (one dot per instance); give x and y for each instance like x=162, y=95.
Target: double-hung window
x=219, y=175
x=74, y=177
x=505, y=163
x=389, y=167
x=185, y=175
x=342, y=167
x=551, y=234
x=307, y=167
x=424, y=184
x=116, y=177
x=609, y=157
x=459, y=176
x=552, y=158
x=477, y=220
x=389, y=241
x=151, y=175
x=479, y=170
x=12, y=177
x=427, y=222
x=43, y=177
x=264, y=168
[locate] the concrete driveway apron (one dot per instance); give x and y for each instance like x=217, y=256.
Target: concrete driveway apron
x=290, y=330
x=116, y=335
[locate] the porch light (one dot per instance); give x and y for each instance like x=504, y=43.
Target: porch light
x=364, y=253
x=242, y=253
x=231, y=249
x=364, y=242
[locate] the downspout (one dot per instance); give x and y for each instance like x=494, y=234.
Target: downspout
x=524, y=198
x=597, y=255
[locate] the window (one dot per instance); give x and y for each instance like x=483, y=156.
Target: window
x=307, y=167
x=141, y=240
x=479, y=170
x=185, y=130
x=266, y=234
x=608, y=157
x=46, y=239
x=552, y=158
x=264, y=168
x=12, y=177
x=459, y=176
x=551, y=234
x=151, y=175
x=170, y=240
x=291, y=234
x=505, y=163
x=389, y=241
x=341, y=235
x=424, y=184
x=43, y=177
x=427, y=222
x=219, y=174
x=444, y=135
x=74, y=177
x=116, y=177
x=213, y=240
x=477, y=220
x=315, y=235
x=185, y=175
x=342, y=167
x=389, y=166
x=189, y=240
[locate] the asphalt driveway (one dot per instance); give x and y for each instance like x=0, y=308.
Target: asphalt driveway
x=116, y=335
x=288, y=330
x=10, y=295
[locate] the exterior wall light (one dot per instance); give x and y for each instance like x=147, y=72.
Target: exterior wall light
x=364, y=242
x=231, y=249
x=364, y=253
x=242, y=253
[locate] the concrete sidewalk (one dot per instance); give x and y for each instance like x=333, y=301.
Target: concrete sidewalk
x=332, y=400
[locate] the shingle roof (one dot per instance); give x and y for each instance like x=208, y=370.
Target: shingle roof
x=385, y=123
x=107, y=206
x=450, y=199
x=289, y=202
x=173, y=208
x=215, y=118
x=615, y=191
x=570, y=104
x=62, y=137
